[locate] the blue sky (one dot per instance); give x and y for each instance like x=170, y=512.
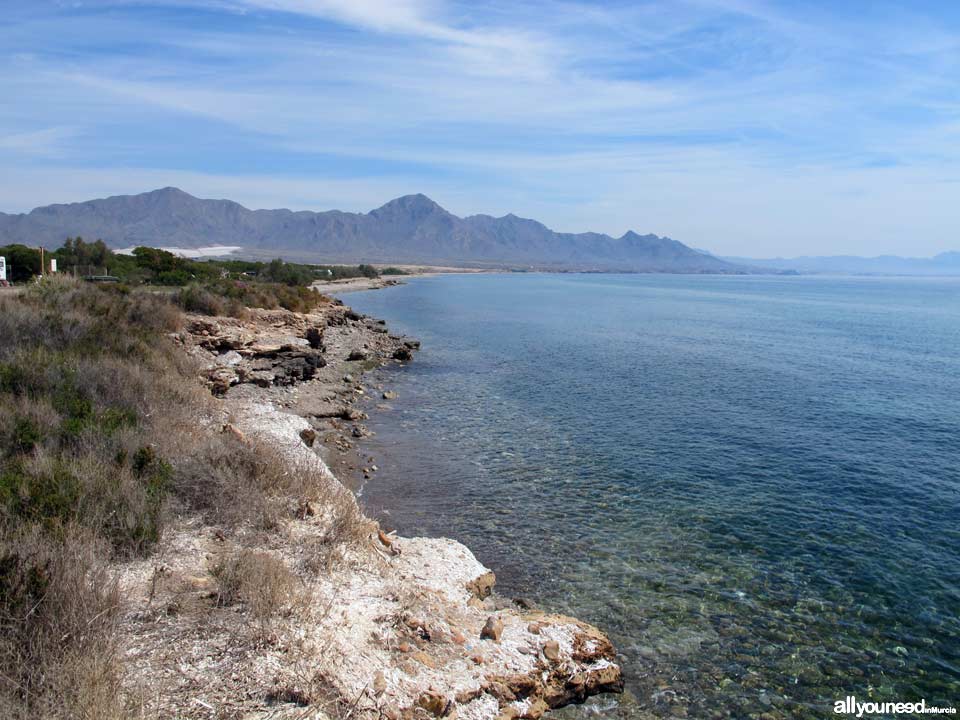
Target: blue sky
x=743, y=127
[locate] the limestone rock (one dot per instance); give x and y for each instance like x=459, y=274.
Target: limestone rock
x=434, y=703
x=425, y=659
x=221, y=378
x=481, y=586
x=493, y=629
x=229, y=358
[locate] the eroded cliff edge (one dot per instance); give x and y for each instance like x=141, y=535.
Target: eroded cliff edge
x=365, y=623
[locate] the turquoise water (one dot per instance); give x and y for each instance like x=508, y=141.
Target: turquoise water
x=752, y=483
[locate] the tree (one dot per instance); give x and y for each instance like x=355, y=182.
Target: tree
x=157, y=260
x=22, y=262
x=79, y=254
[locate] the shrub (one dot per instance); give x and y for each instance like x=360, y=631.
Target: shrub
x=230, y=297
x=59, y=608
x=261, y=581
x=197, y=300
x=86, y=382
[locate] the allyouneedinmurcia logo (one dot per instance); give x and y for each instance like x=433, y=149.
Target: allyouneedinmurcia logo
x=850, y=706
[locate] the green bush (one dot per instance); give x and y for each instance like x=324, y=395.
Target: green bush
x=89, y=368
x=195, y=299
x=230, y=297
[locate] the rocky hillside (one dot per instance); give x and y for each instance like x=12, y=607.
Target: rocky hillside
x=410, y=229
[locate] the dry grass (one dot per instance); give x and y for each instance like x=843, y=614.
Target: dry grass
x=259, y=580
x=59, y=606
x=234, y=482
x=242, y=484
x=106, y=433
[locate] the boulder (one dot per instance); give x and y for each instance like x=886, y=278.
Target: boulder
x=403, y=354
x=221, y=378
x=482, y=585
x=229, y=358
x=294, y=366
x=493, y=629
x=262, y=378
x=434, y=703
x=357, y=355
x=352, y=414
x=314, y=336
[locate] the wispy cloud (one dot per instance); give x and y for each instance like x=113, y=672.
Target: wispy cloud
x=730, y=124
x=47, y=143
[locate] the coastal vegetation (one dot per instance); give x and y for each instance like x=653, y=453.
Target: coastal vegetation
x=154, y=266
x=232, y=297
x=106, y=437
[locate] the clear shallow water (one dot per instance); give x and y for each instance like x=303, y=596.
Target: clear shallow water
x=752, y=483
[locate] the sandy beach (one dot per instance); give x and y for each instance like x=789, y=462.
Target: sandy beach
x=363, y=283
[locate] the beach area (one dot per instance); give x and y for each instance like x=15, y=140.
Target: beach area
x=336, y=287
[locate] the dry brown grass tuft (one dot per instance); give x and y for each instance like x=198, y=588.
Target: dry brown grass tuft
x=259, y=580
x=239, y=483
x=59, y=607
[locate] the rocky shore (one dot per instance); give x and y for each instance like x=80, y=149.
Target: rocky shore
x=398, y=627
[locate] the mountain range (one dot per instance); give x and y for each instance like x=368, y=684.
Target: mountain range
x=946, y=263
x=411, y=229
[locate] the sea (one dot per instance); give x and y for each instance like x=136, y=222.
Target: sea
x=751, y=483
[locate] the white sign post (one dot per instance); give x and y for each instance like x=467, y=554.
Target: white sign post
x=3, y=269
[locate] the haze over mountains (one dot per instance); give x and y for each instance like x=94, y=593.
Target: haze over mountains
x=946, y=263
x=410, y=229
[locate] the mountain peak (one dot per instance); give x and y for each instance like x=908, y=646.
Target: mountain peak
x=408, y=229
x=169, y=191
x=418, y=201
